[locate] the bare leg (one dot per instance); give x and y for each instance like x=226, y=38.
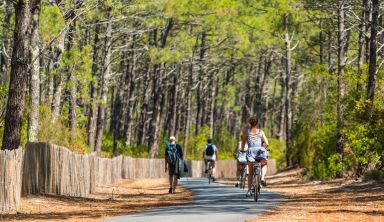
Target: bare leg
x=263, y=172
x=205, y=164
x=250, y=167
x=263, y=169
x=174, y=184
x=170, y=178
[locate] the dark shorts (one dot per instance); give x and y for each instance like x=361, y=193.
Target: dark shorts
x=257, y=153
x=172, y=170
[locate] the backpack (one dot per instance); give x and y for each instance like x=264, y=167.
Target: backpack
x=209, y=151
x=172, y=156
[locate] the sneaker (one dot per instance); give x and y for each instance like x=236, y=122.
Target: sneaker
x=264, y=183
x=237, y=184
x=170, y=190
x=174, y=190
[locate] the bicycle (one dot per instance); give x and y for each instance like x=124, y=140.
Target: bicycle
x=209, y=172
x=243, y=175
x=242, y=163
x=256, y=180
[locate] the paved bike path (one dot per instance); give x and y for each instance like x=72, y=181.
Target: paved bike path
x=212, y=202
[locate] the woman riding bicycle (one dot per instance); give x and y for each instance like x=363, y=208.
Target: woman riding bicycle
x=257, y=143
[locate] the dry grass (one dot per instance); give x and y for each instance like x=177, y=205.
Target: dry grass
x=327, y=201
x=126, y=197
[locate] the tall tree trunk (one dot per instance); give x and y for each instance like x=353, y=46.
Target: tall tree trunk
x=104, y=87
x=288, y=111
x=321, y=39
x=247, y=103
x=35, y=77
x=213, y=84
x=188, y=113
x=265, y=90
x=373, y=54
x=131, y=99
x=199, y=98
x=19, y=70
x=281, y=134
x=158, y=96
x=71, y=78
x=142, y=127
x=341, y=54
x=361, y=43
x=92, y=117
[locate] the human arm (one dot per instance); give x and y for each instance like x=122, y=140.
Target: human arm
x=217, y=156
x=165, y=158
x=265, y=140
x=243, y=141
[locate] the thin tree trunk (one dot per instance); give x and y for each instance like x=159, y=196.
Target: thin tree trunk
x=35, y=77
x=188, y=113
x=373, y=54
x=71, y=79
x=281, y=134
x=340, y=84
x=199, y=97
x=93, y=90
x=361, y=43
x=158, y=96
x=104, y=87
x=288, y=111
x=213, y=84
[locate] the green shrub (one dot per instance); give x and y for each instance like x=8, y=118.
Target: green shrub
x=58, y=133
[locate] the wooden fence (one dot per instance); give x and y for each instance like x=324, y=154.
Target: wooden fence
x=108, y=171
x=51, y=169
x=136, y=168
x=10, y=179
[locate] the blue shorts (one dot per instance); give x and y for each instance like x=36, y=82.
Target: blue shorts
x=257, y=153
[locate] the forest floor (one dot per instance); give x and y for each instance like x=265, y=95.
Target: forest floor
x=127, y=196
x=320, y=201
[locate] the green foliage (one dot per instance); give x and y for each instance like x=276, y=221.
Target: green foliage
x=51, y=22
x=58, y=133
x=377, y=175
x=277, y=152
x=197, y=142
x=122, y=148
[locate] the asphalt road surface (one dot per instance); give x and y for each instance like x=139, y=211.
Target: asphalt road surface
x=212, y=202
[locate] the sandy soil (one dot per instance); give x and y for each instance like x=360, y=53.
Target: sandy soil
x=324, y=201
x=126, y=197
